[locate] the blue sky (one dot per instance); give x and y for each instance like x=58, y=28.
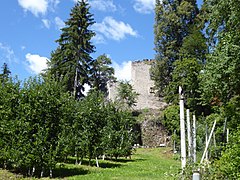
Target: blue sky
x=29, y=29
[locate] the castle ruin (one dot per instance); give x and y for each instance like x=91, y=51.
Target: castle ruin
x=152, y=132
x=143, y=85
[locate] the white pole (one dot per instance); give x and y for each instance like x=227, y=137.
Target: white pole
x=208, y=142
x=196, y=176
x=227, y=134
x=189, y=135
x=174, y=142
x=194, y=140
x=182, y=128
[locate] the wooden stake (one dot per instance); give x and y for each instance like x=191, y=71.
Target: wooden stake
x=208, y=142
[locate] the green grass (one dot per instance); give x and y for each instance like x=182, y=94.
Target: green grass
x=155, y=163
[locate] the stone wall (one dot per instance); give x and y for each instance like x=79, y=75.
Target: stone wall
x=143, y=85
x=151, y=131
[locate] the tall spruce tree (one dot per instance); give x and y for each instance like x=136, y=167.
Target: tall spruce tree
x=173, y=20
x=71, y=61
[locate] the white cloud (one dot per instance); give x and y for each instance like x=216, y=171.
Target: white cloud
x=38, y=6
x=53, y=4
x=103, y=5
x=34, y=6
x=59, y=22
x=144, y=6
x=6, y=53
x=36, y=63
x=98, y=39
x=112, y=29
x=122, y=71
x=46, y=23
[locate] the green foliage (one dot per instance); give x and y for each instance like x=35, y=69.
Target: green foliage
x=173, y=20
x=185, y=74
x=161, y=76
x=194, y=46
x=92, y=121
x=229, y=170
x=223, y=64
x=170, y=119
x=223, y=18
x=5, y=72
x=221, y=91
x=9, y=102
x=118, y=132
x=30, y=124
x=127, y=97
x=71, y=61
x=102, y=73
x=232, y=112
x=41, y=124
x=223, y=68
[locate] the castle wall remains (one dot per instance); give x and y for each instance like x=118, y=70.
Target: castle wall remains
x=143, y=85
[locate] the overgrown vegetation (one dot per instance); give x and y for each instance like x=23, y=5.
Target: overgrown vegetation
x=198, y=49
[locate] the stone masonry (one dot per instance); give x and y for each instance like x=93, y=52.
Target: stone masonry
x=152, y=132
x=143, y=85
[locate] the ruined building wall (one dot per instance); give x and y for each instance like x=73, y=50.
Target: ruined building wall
x=142, y=84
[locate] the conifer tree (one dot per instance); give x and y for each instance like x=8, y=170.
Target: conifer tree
x=5, y=72
x=71, y=61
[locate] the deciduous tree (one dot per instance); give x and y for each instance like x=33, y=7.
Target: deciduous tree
x=173, y=20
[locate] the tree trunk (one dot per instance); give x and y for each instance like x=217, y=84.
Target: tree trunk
x=103, y=157
x=33, y=171
x=97, y=162
x=89, y=161
x=77, y=158
x=75, y=85
x=42, y=171
x=81, y=160
x=50, y=173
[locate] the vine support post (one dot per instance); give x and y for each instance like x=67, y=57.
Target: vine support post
x=182, y=128
x=194, y=140
x=189, y=135
x=208, y=142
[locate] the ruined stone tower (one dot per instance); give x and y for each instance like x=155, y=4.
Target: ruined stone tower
x=142, y=84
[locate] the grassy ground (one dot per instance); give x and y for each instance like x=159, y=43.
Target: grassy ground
x=157, y=163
